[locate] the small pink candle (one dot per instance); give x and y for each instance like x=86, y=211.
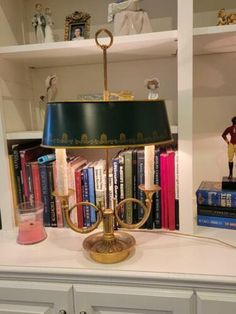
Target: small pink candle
x=31, y=232
x=31, y=228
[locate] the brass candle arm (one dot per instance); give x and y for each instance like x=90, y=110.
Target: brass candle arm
x=108, y=246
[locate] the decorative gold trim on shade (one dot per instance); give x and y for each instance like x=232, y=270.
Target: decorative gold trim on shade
x=106, y=124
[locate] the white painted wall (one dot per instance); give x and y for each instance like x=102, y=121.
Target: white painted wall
x=206, y=11
x=214, y=106
x=88, y=79
x=11, y=22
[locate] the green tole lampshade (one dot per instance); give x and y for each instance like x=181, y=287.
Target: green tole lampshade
x=102, y=124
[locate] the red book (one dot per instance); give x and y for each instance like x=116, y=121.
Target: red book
x=171, y=189
x=36, y=181
x=27, y=155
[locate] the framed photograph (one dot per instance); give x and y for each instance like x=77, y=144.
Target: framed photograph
x=77, y=26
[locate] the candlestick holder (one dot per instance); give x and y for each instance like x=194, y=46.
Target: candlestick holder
x=109, y=246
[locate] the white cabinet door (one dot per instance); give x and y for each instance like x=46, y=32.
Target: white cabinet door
x=216, y=303
x=35, y=298
x=94, y=299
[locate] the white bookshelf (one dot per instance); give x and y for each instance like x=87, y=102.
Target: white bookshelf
x=214, y=39
x=125, y=48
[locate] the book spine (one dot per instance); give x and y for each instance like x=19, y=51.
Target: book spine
x=99, y=183
x=85, y=193
x=140, y=180
x=24, y=176
x=14, y=188
x=216, y=212
x=45, y=195
x=29, y=179
x=135, y=187
x=79, y=198
x=171, y=190
x=217, y=222
x=216, y=198
x=164, y=217
x=176, y=190
x=92, y=196
x=36, y=181
x=157, y=196
x=17, y=171
x=53, y=214
x=60, y=217
x=128, y=186
x=122, y=184
x=116, y=178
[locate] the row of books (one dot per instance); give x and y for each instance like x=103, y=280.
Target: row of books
x=34, y=180
x=216, y=207
x=128, y=174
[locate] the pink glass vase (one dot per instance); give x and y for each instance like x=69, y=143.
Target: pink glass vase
x=31, y=228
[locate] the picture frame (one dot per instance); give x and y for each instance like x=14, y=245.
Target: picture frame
x=77, y=21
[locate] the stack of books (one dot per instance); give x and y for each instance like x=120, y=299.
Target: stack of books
x=216, y=207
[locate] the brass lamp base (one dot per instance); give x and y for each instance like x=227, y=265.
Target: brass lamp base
x=109, y=250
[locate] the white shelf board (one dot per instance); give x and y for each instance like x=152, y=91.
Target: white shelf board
x=124, y=48
x=214, y=39
x=25, y=135
x=28, y=135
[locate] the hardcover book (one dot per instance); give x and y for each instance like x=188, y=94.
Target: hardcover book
x=211, y=193
x=227, y=212
x=27, y=155
x=217, y=222
x=17, y=167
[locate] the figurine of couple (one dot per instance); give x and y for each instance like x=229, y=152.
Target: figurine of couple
x=42, y=24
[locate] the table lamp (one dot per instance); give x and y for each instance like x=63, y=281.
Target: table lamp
x=106, y=124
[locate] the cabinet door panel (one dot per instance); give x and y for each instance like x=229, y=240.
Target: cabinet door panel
x=35, y=298
x=103, y=299
x=216, y=303
x=26, y=309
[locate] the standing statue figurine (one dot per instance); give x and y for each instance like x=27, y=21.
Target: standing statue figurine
x=39, y=23
x=231, y=131
x=152, y=85
x=51, y=87
x=50, y=95
x=49, y=38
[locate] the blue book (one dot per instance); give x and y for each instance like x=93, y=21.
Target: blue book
x=92, y=196
x=46, y=198
x=216, y=222
x=211, y=193
x=85, y=196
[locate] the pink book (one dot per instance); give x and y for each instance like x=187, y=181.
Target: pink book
x=163, y=183
x=171, y=189
x=78, y=190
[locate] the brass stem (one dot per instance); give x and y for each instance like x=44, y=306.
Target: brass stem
x=104, y=49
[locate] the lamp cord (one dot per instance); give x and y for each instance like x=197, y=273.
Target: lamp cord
x=182, y=234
